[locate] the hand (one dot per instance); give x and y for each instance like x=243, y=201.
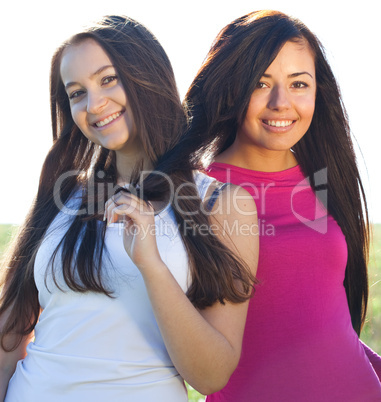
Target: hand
x=139, y=237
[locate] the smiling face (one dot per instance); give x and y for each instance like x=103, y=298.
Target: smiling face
x=98, y=102
x=280, y=109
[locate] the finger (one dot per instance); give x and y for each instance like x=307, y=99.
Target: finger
x=124, y=205
x=111, y=202
x=136, y=211
x=120, y=213
x=114, y=198
x=130, y=202
x=115, y=201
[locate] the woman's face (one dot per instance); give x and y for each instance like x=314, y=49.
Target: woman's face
x=98, y=102
x=282, y=105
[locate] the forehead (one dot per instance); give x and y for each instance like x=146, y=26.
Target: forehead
x=82, y=59
x=294, y=57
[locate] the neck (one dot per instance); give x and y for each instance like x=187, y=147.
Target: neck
x=262, y=160
x=126, y=165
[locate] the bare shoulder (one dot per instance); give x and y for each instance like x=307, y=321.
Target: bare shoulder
x=230, y=201
x=233, y=219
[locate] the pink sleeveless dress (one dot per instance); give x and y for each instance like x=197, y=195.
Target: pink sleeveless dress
x=299, y=344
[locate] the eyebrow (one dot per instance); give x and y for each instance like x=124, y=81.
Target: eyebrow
x=99, y=71
x=290, y=75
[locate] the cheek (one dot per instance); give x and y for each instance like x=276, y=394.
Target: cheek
x=130, y=123
x=129, y=118
x=307, y=109
x=77, y=116
x=119, y=94
x=311, y=107
x=255, y=105
x=251, y=118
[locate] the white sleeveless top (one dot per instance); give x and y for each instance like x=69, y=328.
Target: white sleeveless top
x=90, y=347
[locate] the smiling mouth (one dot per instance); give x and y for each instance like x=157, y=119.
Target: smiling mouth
x=107, y=120
x=278, y=123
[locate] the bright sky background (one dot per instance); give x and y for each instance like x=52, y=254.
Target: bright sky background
x=31, y=30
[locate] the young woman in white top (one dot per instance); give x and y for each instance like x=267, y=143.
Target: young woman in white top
x=124, y=307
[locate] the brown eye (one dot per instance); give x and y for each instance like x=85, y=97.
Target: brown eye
x=299, y=85
x=109, y=79
x=260, y=85
x=76, y=94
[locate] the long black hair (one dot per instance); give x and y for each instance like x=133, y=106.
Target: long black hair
x=160, y=122
x=219, y=97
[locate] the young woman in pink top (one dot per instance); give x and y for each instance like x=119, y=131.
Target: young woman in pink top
x=267, y=101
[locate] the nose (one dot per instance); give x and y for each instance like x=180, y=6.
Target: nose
x=96, y=102
x=279, y=99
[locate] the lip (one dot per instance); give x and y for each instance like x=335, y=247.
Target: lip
x=280, y=129
x=106, y=117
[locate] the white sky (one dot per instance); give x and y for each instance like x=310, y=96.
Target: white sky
x=31, y=30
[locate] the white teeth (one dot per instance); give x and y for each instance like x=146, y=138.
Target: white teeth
x=107, y=119
x=278, y=123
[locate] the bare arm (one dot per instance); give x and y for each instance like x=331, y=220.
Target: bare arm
x=204, y=346
x=8, y=361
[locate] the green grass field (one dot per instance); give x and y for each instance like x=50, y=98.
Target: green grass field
x=371, y=334
x=6, y=232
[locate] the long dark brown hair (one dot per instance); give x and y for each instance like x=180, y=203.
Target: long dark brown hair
x=219, y=97
x=161, y=122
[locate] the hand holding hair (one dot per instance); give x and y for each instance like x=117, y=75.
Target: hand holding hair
x=137, y=216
